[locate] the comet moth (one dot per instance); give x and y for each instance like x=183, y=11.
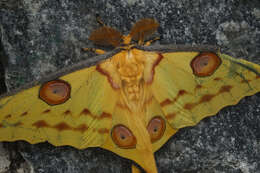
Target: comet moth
x=132, y=100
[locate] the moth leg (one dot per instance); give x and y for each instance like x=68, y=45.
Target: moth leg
x=100, y=21
x=135, y=169
x=97, y=51
x=148, y=43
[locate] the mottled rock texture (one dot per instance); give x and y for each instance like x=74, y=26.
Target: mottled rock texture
x=42, y=36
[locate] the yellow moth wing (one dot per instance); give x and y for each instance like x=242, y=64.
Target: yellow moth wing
x=154, y=109
x=186, y=98
x=142, y=152
x=82, y=121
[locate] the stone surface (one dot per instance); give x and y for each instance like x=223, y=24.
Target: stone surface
x=40, y=37
x=4, y=159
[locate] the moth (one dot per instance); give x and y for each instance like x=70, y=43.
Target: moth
x=132, y=100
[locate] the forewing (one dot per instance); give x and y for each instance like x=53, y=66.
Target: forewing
x=84, y=120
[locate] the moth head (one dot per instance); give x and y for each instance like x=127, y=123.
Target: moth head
x=107, y=36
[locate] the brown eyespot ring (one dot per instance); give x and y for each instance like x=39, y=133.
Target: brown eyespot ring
x=55, y=92
x=205, y=64
x=156, y=128
x=123, y=137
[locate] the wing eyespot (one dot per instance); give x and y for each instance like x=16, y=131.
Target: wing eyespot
x=156, y=128
x=205, y=64
x=55, y=92
x=123, y=137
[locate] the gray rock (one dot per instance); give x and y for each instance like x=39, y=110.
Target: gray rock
x=40, y=37
x=4, y=159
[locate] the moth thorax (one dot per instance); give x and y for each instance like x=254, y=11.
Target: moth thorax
x=131, y=72
x=132, y=91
